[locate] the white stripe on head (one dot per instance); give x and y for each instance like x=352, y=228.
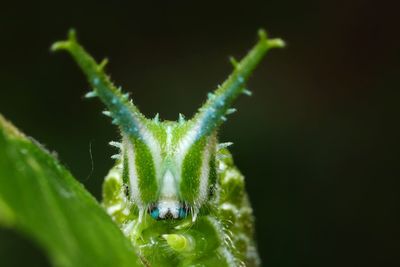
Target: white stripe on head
x=204, y=174
x=133, y=177
x=169, y=186
x=185, y=144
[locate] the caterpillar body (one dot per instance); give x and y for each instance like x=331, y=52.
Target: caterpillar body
x=174, y=190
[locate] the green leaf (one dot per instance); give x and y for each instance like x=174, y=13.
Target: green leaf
x=40, y=198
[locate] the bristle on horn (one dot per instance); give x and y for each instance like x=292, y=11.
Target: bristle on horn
x=126, y=115
x=212, y=114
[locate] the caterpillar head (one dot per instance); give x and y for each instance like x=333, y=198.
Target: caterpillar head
x=169, y=167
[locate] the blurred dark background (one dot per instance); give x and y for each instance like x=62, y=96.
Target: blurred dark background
x=317, y=141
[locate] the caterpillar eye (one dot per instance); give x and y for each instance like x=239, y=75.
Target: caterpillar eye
x=154, y=213
x=183, y=212
x=159, y=212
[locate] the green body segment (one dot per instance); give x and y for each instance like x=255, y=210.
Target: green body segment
x=222, y=235
x=174, y=192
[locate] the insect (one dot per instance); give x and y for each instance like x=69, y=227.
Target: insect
x=174, y=190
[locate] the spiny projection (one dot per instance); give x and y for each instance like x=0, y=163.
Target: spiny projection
x=174, y=190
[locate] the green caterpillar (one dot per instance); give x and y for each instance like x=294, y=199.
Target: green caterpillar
x=174, y=190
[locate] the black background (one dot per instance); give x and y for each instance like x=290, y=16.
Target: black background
x=317, y=141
